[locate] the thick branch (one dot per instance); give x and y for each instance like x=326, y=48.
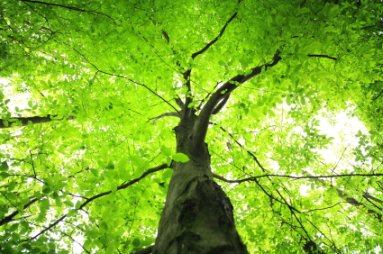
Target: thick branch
x=10, y=217
x=367, y=195
x=221, y=104
x=211, y=43
x=356, y=203
x=220, y=94
x=186, y=110
x=24, y=121
x=120, y=187
x=179, y=102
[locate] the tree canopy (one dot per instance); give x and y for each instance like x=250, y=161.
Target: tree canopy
x=91, y=92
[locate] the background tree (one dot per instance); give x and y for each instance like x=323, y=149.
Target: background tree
x=100, y=101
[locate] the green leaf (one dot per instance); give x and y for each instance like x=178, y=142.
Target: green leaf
x=4, y=166
x=110, y=165
x=72, y=213
x=46, y=188
x=14, y=227
x=4, y=174
x=136, y=242
x=44, y=204
x=166, y=151
x=86, y=79
x=180, y=157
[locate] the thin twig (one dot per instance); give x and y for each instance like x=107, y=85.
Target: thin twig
x=155, y=119
x=68, y=7
x=322, y=208
x=323, y=56
x=251, y=154
x=125, y=185
x=250, y=179
x=49, y=227
x=121, y=76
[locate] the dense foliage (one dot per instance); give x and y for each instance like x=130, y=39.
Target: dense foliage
x=89, y=99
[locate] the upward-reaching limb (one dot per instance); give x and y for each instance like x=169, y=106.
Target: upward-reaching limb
x=214, y=103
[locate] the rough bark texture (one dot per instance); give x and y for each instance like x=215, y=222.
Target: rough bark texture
x=198, y=216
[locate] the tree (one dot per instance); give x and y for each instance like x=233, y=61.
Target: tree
x=112, y=107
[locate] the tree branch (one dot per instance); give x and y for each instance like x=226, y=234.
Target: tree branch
x=179, y=102
x=68, y=7
x=10, y=217
x=49, y=226
x=251, y=154
x=367, y=195
x=272, y=196
x=221, y=104
x=323, y=56
x=356, y=203
x=251, y=179
x=94, y=197
x=125, y=185
x=121, y=76
x=26, y=120
x=155, y=119
x=211, y=43
x=219, y=95
x=186, y=110
x=153, y=92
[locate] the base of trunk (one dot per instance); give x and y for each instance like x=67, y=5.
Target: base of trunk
x=197, y=218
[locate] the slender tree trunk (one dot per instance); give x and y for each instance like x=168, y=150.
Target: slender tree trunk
x=198, y=216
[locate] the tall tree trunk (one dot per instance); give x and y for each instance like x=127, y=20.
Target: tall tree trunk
x=198, y=216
